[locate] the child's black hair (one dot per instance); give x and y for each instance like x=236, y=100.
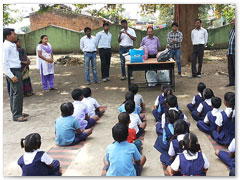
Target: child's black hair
x=172, y=115
x=229, y=97
x=133, y=88
x=167, y=91
x=87, y=92
x=129, y=96
x=120, y=132
x=31, y=142
x=130, y=106
x=208, y=93
x=201, y=86
x=180, y=127
x=42, y=36
x=171, y=100
x=67, y=109
x=216, y=102
x=76, y=94
x=190, y=143
x=124, y=118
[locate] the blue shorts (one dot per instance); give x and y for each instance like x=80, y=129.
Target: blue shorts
x=91, y=123
x=79, y=138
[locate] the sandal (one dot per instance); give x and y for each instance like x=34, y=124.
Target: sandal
x=53, y=88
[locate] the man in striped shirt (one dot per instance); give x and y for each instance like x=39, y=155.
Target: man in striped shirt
x=231, y=56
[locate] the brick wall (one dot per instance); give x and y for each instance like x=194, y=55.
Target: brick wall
x=70, y=21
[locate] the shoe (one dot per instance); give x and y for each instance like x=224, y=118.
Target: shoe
x=88, y=83
x=98, y=82
x=123, y=77
x=199, y=76
x=228, y=85
x=21, y=119
x=108, y=78
x=25, y=114
x=104, y=80
x=192, y=76
x=54, y=88
x=132, y=78
x=46, y=91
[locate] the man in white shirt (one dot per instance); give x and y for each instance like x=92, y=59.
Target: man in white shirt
x=125, y=38
x=199, y=38
x=11, y=68
x=88, y=45
x=104, y=39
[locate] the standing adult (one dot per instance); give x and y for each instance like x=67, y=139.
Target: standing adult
x=126, y=37
x=199, y=38
x=88, y=45
x=151, y=42
x=25, y=62
x=45, y=63
x=12, y=70
x=174, y=39
x=104, y=39
x=231, y=56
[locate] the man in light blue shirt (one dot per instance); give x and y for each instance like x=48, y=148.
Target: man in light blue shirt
x=88, y=45
x=104, y=39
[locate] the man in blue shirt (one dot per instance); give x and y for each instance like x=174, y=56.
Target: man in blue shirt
x=104, y=39
x=120, y=154
x=231, y=56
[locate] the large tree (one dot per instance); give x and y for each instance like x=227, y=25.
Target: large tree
x=8, y=17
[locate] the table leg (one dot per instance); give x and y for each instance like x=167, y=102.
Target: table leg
x=129, y=78
x=173, y=79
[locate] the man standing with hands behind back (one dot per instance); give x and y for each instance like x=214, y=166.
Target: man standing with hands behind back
x=126, y=37
x=11, y=68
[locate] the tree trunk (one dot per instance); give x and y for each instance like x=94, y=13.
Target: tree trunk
x=185, y=15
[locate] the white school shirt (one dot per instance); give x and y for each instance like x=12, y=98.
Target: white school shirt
x=156, y=101
x=10, y=58
x=29, y=156
x=200, y=106
x=164, y=117
x=80, y=111
x=199, y=36
x=171, y=150
x=92, y=104
x=88, y=44
x=48, y=68
x=104, y=40
x=176, y=163
x=219, y=118
x=194, y=101
x=231, y=147
x=214, y=112
x=135, y=121
x=125, y=39
x=138, y=100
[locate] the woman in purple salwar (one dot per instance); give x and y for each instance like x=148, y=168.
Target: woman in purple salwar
x=45, y=63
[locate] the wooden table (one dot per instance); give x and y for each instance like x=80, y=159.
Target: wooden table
x=152, y=64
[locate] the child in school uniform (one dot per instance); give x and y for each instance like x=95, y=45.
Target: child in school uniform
x=67, y=128
x=192, y=162
x=204, y=106
x=228, y=158
x=95, y=111
x=35, y=162
x=160, y=106
x=225, y=121
x=136, y=122
x=180, y=129
x=122, y=158
x=81, y=111
x=208, y=124
x=138, y=99
x=162, y=141
x=172, y=104
x=198, y=98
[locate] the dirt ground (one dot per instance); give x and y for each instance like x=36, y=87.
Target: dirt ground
x=44, y=109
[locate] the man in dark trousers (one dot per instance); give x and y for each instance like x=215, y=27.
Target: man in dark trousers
x=104, y=39
x=199, y=38
x=231, y=56
x=11, y=68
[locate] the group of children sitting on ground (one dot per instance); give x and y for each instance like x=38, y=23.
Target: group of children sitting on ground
x=180, y=151
x=179, y=148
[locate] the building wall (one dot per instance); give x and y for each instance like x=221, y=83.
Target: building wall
x=68, y=41
x=70, y=21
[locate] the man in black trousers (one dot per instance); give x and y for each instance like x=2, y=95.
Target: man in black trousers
x=199, y=38
x=231, y=56
x=104, y=39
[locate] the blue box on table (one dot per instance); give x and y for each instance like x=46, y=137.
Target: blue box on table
x=136, y=55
